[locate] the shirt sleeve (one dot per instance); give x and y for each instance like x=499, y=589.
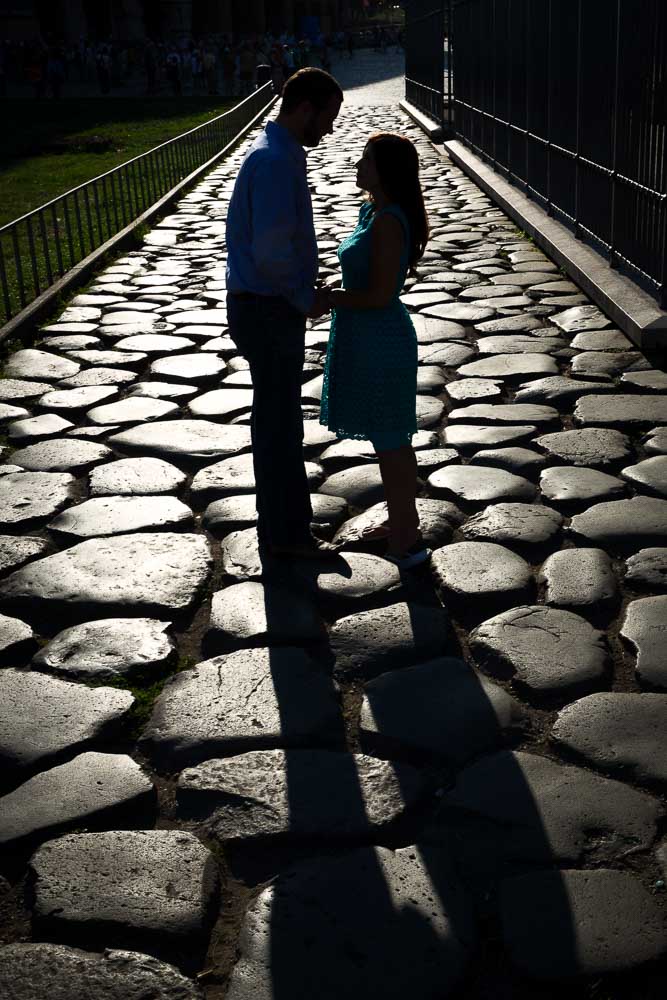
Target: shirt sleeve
x=274, y=213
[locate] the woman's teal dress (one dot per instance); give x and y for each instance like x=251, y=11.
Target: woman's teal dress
x=370, y=376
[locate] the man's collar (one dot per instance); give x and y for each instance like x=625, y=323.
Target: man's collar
x=283, y=135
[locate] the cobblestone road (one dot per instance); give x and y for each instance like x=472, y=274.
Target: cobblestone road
x=302, y=782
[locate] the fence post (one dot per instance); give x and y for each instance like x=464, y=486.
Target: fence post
x=613, y=256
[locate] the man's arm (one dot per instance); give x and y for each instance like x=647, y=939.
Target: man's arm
x=274, y=215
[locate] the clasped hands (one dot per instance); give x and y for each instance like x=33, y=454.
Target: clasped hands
x=323, y=302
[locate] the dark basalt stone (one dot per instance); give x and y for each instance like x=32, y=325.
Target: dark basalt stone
x=649, y=476
x=529, y=529
x=623, y=526
x=479, y=485
x=16, y=641
x=16, y=552
x=437, y=521
x=572, y=486
x=518, y=461
x=193, y=441
x=580, y=580
x=592, y=446
x=629, y=410
x=266, y=614
x=647, y=570
x=39, y=365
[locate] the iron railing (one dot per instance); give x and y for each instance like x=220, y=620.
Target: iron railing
x=568, y=100
x=44, y=245
x=428, y=70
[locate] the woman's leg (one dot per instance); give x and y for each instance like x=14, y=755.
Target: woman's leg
x=398, y=467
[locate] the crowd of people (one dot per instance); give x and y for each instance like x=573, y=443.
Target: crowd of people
x=217, y=65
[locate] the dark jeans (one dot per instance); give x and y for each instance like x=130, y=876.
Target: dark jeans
x=270, y=334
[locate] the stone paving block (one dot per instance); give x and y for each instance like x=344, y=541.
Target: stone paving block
x=92, y=790
x=68, y=401
x=342, y=796
x=261, y=614
x=465, y=390
x=647, y=569
x=440, y=708
x=545, y=650
x=498, y=413
x=16, y=552
x=587, y=923
x=510, y=368
x=478, y=485
x=476, y=579
x=35, y=971
x=397, y=636
x=39, y=365
x=405, y=900
x=99, y=376
x=161, y=573
x=559, y=390
x=23, y=432
x=623, y=526
x=648, y=476
x=63, y=455
x=103, y=516
x=652, y=380
x=43, y=718
x=136, y=477
x=622, y=733
x=606, y=364
x=108, y=649
x=253, y=699
x=571, y=487
x=133, y=410
x=437, y=521
x=581, y=580
x=160, y=890
x=581, y=318
x=22, y=391
x=350, y=581
x=533, y=809
x=194, y=441
x=644, y=627
x=655, y=442
x=529, y=529
x=9, y=413
x=470, y=438
x=518, y=461
x=360, y=485
x=16, y=641
x=626, y=411
x=29, y=499
x=590, y=446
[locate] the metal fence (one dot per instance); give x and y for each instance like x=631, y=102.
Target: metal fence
x=568, y=100
x=427, y=63
x=42, y=246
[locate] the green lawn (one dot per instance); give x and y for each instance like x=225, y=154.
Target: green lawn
x=33, y=170
x=47, y=152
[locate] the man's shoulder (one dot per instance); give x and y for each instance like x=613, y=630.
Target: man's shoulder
x=265, y=153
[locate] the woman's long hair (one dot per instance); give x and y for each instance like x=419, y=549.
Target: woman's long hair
x=397, y=165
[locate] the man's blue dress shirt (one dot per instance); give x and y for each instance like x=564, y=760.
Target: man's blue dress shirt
x=271, y=246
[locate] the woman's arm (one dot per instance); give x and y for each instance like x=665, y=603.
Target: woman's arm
x=387, y=241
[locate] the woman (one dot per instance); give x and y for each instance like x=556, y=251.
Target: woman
x=370, y=378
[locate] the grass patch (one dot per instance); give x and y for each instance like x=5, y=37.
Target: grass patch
x=51, y=147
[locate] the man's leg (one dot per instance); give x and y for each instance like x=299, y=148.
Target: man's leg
x=270, y=334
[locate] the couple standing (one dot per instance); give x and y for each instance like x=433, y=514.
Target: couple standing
x=370, y=378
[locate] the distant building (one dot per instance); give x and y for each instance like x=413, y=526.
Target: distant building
x=69, y=20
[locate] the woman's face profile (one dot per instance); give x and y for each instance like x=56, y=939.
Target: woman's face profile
x=367, y=175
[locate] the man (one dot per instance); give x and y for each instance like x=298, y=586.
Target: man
x=271, y=283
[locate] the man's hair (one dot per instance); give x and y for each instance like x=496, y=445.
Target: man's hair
x=309, y=84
